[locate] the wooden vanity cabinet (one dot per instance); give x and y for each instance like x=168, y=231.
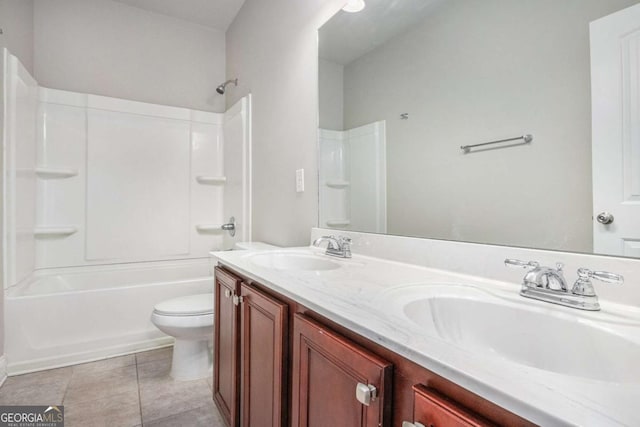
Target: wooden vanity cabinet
x=327, y=369
x=250, y=358
x=320, y=367
x=226, y=379
x=432, y=409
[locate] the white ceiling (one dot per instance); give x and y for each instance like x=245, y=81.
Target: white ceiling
x=216, y=14
x=347, y=36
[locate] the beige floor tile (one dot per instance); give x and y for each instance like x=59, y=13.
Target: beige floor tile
x=100, y=385
x=39, y=378
x=105, y=365
x=204, y=416
x=163, y=399
x=122, y=391
x=154, y=355
x=47, y=394
x=155, y=371
x=39, y=388
x=122, y=410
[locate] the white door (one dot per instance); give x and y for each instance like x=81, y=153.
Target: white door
x=237, y=166
x=615, y=88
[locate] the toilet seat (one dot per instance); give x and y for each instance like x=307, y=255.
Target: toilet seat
x=191, y=305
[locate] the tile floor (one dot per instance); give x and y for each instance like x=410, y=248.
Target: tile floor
x=127, y=391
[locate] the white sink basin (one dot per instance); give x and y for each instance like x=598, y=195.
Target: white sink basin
x=547, y=338
x=293, y=261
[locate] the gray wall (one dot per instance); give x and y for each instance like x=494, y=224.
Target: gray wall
x=108, y=48
x=16, y=21
x=272, y=49
x=475, y=72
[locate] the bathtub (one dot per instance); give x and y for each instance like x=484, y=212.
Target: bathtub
x=64, y=316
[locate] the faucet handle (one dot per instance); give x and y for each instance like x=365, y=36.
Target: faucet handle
x=344, y=240
x=345, y=243
x=583, y=285
x=605, y=276
x=515, y=263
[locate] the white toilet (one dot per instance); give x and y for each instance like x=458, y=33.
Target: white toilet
x=190, y=321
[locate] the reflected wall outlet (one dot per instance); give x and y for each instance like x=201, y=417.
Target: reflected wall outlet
x=299, y=180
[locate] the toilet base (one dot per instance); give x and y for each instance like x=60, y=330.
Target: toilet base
x=192, y=360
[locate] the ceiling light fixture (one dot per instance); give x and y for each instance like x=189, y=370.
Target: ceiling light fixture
x=353, y=6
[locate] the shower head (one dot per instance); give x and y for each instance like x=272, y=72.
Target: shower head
x=220, y=89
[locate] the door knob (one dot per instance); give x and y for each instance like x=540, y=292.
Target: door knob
x=604, y=218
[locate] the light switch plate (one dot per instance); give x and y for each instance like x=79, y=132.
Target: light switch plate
x=299, y=180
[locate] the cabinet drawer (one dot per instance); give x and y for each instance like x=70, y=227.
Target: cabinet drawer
x=432, y=409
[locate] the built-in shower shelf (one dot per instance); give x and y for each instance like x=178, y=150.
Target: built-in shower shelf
x=55, y=173
x=209, y=228
x=211, y=180
x=59, y=231
x=338, y=183
x=338, y=222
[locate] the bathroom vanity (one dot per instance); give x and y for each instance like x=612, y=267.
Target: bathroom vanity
x=265, y=340
x=302, y=337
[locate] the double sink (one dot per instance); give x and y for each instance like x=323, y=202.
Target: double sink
x=494, y=321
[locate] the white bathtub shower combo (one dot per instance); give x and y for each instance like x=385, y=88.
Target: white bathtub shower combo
x=111, y=207
x=63, y=316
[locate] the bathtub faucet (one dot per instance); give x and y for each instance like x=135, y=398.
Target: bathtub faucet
x=230, y=226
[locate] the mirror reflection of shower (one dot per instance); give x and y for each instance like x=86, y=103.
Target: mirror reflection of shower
x=223, y=87
x=352, y=173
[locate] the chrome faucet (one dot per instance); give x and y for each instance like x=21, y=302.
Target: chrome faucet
x=336, y=246
x=548, y=284
x=546, y=277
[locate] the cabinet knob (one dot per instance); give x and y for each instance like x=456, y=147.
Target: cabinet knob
x=408, y=424
x=227, y=293
x=365, y=393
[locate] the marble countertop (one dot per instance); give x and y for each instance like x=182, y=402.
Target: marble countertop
x=354, y=296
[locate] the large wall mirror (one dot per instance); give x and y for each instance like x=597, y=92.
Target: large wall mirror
x=405, y=84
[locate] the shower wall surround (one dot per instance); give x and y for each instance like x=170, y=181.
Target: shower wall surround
x=98, y=180
x=119, y=180
x=109, y=203
x=353, y=180
x=21, y=106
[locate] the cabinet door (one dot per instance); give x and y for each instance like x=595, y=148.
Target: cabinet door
x=226, y=346
x=263, y=345
x=431, y=409
x=327, y=369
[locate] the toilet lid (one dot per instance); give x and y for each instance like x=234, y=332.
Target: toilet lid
x=186, y=306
